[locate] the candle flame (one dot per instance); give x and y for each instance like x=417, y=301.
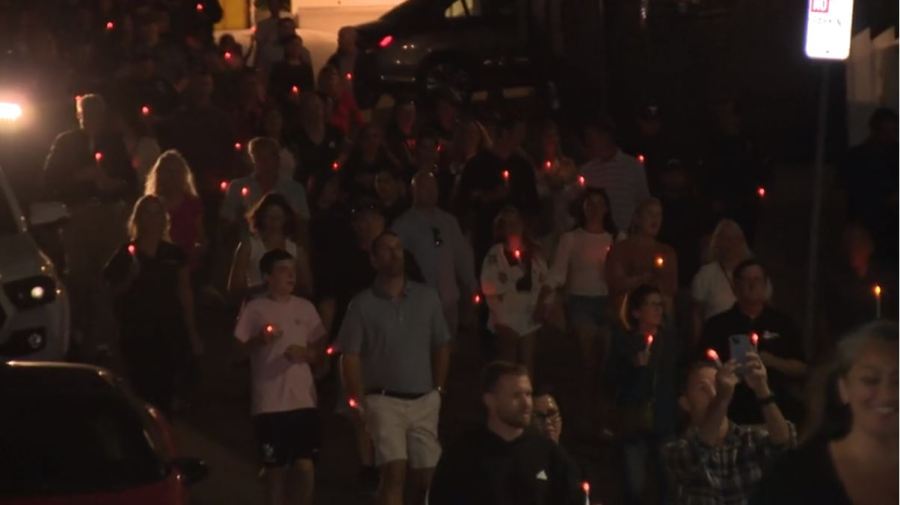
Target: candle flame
x=712, y=354
x=877, y=290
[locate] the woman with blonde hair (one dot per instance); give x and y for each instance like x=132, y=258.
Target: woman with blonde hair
x=154, y=303
x=514, y=280
x=642, y=259
x=172, y=181
x=712, y=289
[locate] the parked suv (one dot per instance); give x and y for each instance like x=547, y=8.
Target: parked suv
x=34, y=305
x=421, y=45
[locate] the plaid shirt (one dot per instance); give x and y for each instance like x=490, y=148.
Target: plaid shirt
x=724, y=474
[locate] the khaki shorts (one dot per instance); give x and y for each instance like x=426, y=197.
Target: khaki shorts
x=404, y=429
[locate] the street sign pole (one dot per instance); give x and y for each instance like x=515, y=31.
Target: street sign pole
x=828, y=31
x=815, y=220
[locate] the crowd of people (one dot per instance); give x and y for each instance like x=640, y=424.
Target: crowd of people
x=360, y=251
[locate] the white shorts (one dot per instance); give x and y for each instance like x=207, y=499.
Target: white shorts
x=404, y=429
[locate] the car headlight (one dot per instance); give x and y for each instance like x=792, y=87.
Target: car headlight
x=10, y=111
x=31, y=292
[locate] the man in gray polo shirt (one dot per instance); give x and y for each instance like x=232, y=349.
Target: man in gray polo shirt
x=442, y=252
x=394, y=341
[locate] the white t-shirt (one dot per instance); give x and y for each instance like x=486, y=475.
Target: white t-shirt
x=580, y=263
x=712, y=290
x=278, y=385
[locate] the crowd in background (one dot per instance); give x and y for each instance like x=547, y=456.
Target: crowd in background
x=204, y=169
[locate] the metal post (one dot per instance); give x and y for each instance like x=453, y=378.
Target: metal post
x=815, y=224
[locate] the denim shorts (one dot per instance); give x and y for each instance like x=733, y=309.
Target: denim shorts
x=587, y=309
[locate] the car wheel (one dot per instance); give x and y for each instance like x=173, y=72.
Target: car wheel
x=447, y=74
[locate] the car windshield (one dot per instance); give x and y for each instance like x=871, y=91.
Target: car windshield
x=66, y=444
x=7, y=218
x=416, y=9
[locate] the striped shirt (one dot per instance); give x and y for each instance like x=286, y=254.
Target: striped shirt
x=625, y=182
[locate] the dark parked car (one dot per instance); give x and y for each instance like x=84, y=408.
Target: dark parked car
x=421, y=45
x=74, y=434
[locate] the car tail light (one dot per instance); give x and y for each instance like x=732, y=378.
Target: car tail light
x=31, y=292
x=386, y=41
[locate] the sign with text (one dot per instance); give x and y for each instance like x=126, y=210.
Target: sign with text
x=828, y=25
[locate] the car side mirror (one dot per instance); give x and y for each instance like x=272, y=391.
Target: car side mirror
x=47, y=213
x=190, y=470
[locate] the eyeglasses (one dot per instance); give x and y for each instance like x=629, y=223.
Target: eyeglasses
x=550, y=415
x=436, y=234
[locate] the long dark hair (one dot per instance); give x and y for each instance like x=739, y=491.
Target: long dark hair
x=829, y=417
x=577, y=210
x=257, y=215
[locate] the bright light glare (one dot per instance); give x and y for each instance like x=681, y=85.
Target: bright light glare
x=37, y=292
x=10, y=111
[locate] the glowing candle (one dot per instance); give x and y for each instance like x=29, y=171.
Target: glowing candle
x=353, y=403
x=754, y=338
x=329, y=350
x=335, y=166
x=641, y=158
x=649, y=340
x=295, y=90
x=223, y=186
x=237, y=146
x=110, y=26
x=714, y=356
x=98, y=156
x=761, y=192
x=245, y=191
x=517, y=254
x=659, y=261
x=877, y=291
x=145, y=110
x=581, y=181
x=199, y=7
x=132, y=250
x=476, y=299
x=505, y=176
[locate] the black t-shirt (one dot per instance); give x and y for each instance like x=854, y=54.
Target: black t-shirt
x=806, y=475
x=777, y=335
x=285, y=76
x=314, y=158
x=481, y=179
x=484, y=469
x=72, y=151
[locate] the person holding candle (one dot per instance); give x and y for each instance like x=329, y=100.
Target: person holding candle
x=642, y=368
x=154, y=303
x=712, y=288
x=483, y=190
x=272, y=225
x=851, y=456
x=284, y=337
x=849, y=287
x=89, y=170
x=643, y=259
x=622, y=176
x=514, y=280
x=243, y=193
x=579, y=267
x=779, y=345
x=396, y=353
x=718, y=461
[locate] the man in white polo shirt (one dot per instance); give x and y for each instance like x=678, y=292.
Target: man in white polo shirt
x=284, y=336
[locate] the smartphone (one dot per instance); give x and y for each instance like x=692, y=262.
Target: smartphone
x=740, y=346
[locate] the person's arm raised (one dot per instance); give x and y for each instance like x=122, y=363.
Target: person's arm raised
x=711, y=426
x=756, y=377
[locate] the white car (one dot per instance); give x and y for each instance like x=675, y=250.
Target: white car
x=34, y=304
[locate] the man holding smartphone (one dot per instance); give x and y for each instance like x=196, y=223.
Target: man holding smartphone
x=751, y=324
x=718, y=461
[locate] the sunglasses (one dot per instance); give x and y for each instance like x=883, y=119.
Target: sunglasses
x=546, y=416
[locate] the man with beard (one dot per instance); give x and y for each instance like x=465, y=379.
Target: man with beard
x=395, y=346
x=505, y=462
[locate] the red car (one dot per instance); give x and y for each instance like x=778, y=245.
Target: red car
x=74, y=434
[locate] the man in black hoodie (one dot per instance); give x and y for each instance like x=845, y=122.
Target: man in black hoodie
x=505, y=462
